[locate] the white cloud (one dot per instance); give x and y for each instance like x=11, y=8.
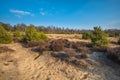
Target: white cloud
x=20, y=12
x=42, y=13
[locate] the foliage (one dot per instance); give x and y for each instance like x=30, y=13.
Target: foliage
x=17, y=33
x=99, y=38
x=32, y=34
x=42, y=36
x=5, y=37
x=7, y=27
x=86, y=35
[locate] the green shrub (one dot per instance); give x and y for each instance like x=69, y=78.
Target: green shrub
x=5, y=37
x=17, y=33
x=99, y=38
x=32, y=34
x=42, y=36
x=86, y=35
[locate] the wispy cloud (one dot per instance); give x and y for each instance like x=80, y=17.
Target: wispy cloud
x=42, y=12
x=20, y=12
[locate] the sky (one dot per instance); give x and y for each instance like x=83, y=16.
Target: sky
x=76, y=14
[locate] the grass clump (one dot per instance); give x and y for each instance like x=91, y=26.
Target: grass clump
x=5, y=37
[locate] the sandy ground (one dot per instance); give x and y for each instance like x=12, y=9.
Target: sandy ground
x=22, y=65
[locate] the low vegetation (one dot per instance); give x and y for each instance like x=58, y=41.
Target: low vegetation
x=5, y=37
x=17, y=33
x=32, y=34
x=57, y=45
x=79, y=50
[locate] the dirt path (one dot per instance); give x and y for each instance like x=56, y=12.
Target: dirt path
x=25, y=67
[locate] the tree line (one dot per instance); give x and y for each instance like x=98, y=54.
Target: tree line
x=56, y=30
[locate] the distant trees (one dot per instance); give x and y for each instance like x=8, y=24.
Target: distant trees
x=99, y=38
x=7, y=27
x=113, y=32
x=5, y=37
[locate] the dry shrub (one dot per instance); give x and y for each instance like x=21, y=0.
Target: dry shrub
x=83, y=44
x=5, y=49
x=43, y=46
x=81, y=56
x=60, y=55
x=83, y=50
x=100, y=48
x=74, y=45
x=33, y=43
x=114, y=54
x=17, y=39
x=57, y=45
x=70, y=52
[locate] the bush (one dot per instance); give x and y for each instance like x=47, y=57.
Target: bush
x=86, y=35
x=42, y=46
x=32, y=34
x=99, y=38
x=57, y=45
x=119, y=41
x=114, y=54
x=5, y=37
x=17, y=34
x=42, y=36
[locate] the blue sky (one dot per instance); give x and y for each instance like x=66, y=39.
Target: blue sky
x=76, y=14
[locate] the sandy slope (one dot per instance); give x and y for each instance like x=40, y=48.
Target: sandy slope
x=22, y=65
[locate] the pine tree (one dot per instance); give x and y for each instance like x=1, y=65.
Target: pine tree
x=99, y=38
